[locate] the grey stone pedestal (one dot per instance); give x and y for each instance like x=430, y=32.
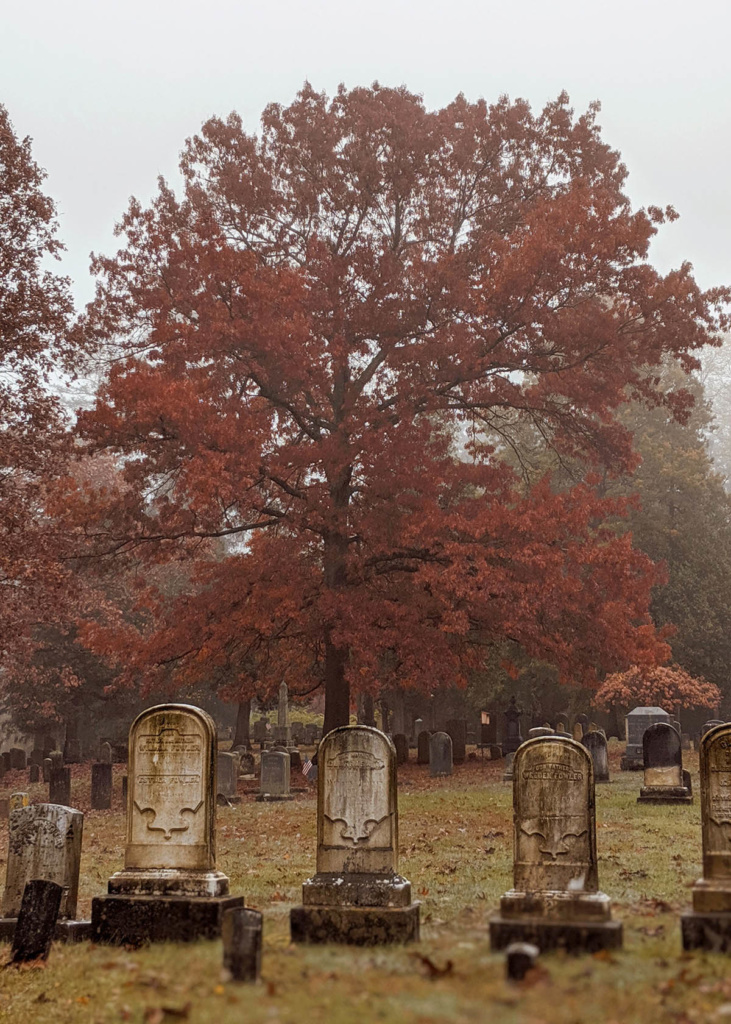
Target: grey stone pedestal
x=665, y=795
x=123, y=920
x=711, y=932
x=356, y=910
x=571, y=936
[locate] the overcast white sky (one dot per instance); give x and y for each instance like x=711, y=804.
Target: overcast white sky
x=109, y=90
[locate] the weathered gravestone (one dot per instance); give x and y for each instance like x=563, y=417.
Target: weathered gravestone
x=401, y=745
x=298, y=732
x=417, y=726
x=44, y=841
x=18, y=760
x=708, y=925
x=596, y=744
x=101, y=786
x=169, y=888
x=710, y=724
x=440, y=754
x=106, y=755
x=242, y=935
x=72, y=751
x=508, y=770
x=47, y=767
x=457, y=729
x=663, y=762
x=312, y=734
x=227, y=776
x=578, y=732
x=34, y=774
x=561, y=729
x=540, y=730
x=512, y=738
x=637, y=722
x=59, y=786
x=555, y=900
x=56, y=758
x=36, y=921
x=6, y=760
x=422, y=747
x=357, y=896
x=275, y=774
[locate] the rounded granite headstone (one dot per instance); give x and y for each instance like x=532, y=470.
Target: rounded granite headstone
x=596, y=744
x=662, y=755
x=440, y=754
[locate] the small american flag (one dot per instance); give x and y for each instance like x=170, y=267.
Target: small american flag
x=307, y=767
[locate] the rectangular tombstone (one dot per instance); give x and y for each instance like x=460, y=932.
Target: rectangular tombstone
x=357, y=896
x=227, y=775
x=457, y=730
x=708, y=925
x=275, y=774
x=596, y=744
x=663, y=763
x=169, y=888
x=101, y=786
x=555, y=900
x=44, y=841
x=36, y=921
x=637, y=723
x=422, y=747
x=18, y=760
x=59, y=786
x=106, y=755
x=440, y=754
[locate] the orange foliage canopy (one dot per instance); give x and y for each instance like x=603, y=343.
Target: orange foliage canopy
x=665, y=686
x=314, y=337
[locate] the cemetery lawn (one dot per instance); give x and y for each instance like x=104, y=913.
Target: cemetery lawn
x=456, y=848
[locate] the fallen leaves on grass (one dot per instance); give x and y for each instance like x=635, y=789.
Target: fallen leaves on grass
x=432, y=970
x=157, y=1014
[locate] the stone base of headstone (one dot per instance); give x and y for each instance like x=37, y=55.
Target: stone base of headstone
x=66, y=931
x=121, y=920
x=571, y=936
x=168, y=882
x=577, y=923
x=665, y=795
x=356, y=910
x=273, y=797
x=708, y=931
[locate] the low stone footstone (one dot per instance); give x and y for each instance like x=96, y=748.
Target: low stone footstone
x=34, y=773
x=169, y=889
x=275, y=774
x=47, y=767
x=36, y=921
x=561, y=729
x=44, y=841
x=555, y=902
x=242, y=937
x=59, y=787
x=440, y=754
x=708, y=925
x=18, y=760
x=663, y=762
x=106, y=755
x=101, y=786
x=422, y=747
x=401, y=744
x=357, y=896
x=596, y=744
x=508, y=770
x=519, y=959
x=636, y=724
x=457, y=729
x=227, y=777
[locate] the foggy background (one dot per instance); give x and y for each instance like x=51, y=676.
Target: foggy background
x=110, y=90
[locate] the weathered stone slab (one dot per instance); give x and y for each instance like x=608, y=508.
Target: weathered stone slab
x=36, y=921
x=440, y=754
x=227, y=777
x=34, y=774
x=508, y=770
x=242, y=937
x=101, y=786
x=555, y=900
x=708, y=926
x=457, y=730
x=275, y=776
x=44, y=841
x=422, y=747
x=59, y=786
x=596, y=744
x=18, y=761
x=138, y=920
x=636, y=723
x=512, y=738
x=401, y=745
x=663, y=764
x=357, y=896
x=106, y=755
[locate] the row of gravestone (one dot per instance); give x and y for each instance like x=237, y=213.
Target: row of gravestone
x=170, y=887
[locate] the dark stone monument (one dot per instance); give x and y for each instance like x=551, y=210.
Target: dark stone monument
x=513, y=737
x=47, y=767
x=555, y=902
x=401, y=744
x=596, y=744
x=18, y=760
x=637, y=722
x=101, y=786
x=519, y=959
x=242, y=935
x=169, y=889
x=422, y=747
x=663, y=762
x=457, y=729
x=36, y=921
x=357, y=896
x=708, y=925
x=59, y=787
x=34, y=773
x=6, y=760
x=72, y=751
x=440, y=754
x=508, y=770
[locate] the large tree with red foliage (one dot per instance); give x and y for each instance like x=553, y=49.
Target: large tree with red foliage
x=315, y=339
x=35, y=311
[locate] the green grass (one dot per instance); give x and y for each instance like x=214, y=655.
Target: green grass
x=456, y=848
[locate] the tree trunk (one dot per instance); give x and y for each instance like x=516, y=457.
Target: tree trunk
x=242, y=737
x=337, y=689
